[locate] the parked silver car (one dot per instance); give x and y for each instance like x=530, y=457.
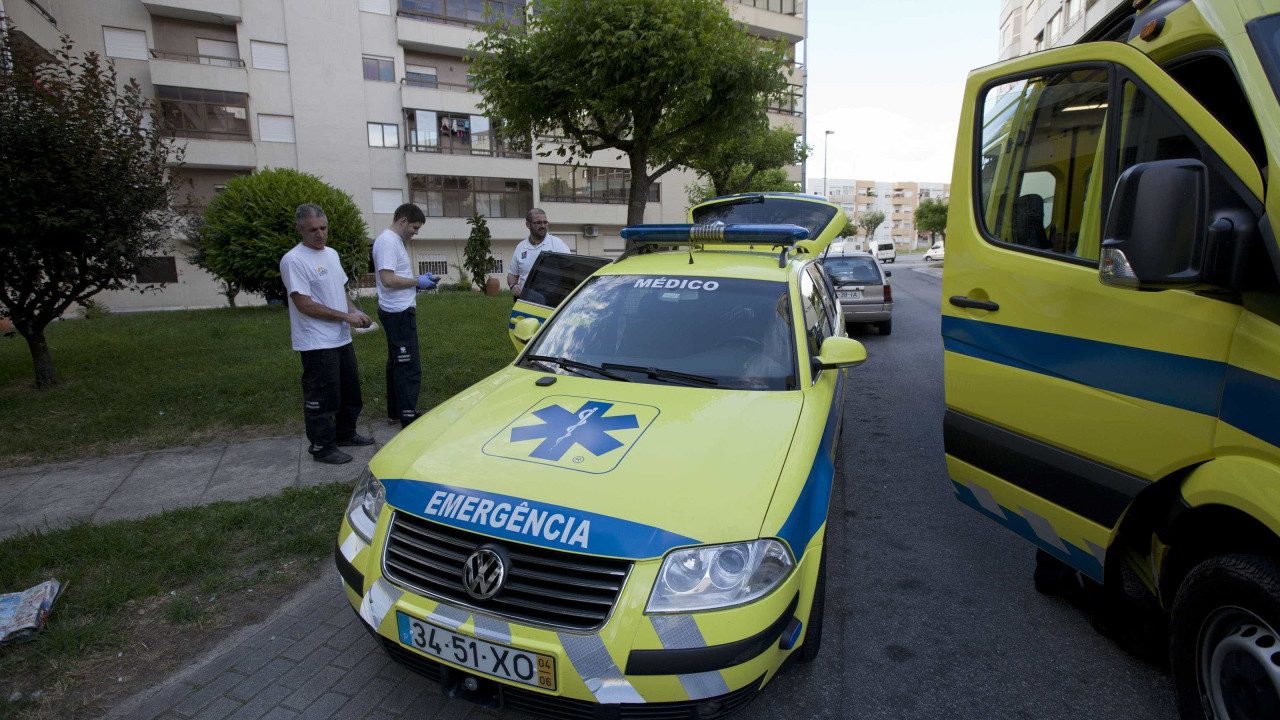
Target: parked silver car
x=863, y=288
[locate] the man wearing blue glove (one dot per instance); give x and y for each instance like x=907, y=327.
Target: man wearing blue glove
x=397, y=310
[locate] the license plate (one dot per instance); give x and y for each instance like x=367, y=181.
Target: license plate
x=484, y=657
x=849, y=294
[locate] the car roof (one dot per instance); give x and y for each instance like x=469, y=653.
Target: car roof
x=759, y=264
x=849, y=253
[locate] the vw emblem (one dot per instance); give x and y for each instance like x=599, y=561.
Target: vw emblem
x=483, y=574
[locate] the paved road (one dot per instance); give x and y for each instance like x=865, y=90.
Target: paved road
x=931, y=611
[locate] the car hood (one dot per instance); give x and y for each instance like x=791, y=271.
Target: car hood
x=647, y=467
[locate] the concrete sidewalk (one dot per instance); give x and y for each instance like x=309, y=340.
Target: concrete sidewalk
x=148, y=483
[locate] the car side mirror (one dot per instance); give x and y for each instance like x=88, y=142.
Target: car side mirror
x=888, y=273
x=840, y=352
x=526, y=329
x=1155, y=235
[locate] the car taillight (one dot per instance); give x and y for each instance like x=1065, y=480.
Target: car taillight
x=888, y=294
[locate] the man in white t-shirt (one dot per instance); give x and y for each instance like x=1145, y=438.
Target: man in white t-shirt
x=397, y=309
x=527, y=252
x=320, y=318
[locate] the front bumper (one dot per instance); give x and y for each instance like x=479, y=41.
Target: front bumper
x=710, y=663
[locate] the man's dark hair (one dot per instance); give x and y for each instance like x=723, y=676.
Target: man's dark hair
x=528, y=217
x=410, y=211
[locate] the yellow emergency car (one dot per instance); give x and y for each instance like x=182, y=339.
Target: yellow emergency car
x=632, y=513
x=1111, y=324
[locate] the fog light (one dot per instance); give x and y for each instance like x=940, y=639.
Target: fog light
x=471, y=684
x=710, y=708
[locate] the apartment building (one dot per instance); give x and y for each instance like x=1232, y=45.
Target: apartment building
x=374, y=97
x=1028, y=26
x=897, y=200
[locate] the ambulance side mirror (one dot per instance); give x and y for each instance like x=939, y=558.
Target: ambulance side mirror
x=526, y=329
x=840, y=352
x=1156, y=233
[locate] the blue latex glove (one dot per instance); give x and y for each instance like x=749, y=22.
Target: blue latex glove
x=426, y=281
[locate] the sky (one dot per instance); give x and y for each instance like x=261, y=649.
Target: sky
x=887, y=76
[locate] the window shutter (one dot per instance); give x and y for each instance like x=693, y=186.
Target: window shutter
x=275, y=128
x=269, y=56
x=381, y=7
x=386, y=201
x=122, y=43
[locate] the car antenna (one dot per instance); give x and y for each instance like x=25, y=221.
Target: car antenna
x=690, y=254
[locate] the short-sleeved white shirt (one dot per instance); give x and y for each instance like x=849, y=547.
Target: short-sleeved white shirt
x=526, y=253
x=389, y=254
x=319, y=275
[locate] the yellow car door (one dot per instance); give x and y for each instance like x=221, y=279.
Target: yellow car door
x=1066, y=397
x=553, y=277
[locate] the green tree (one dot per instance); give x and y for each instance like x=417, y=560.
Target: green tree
x=850, y=228
x=931, y=217
x=477, y=250
x=773, y=180
x=869, y=221
x=85, y=194
x=659, y=80
x=250, y=225
x=733, y=165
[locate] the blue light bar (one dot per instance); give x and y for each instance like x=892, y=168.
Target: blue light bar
x=717, y=233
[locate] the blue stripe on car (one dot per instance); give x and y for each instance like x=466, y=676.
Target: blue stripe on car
x=810, y=510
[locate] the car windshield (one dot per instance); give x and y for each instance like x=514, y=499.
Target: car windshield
x=812, y=216
x=845, y=270
x=706, y=332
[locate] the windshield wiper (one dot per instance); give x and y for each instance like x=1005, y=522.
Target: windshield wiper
x=576, y=366
x=660, y=374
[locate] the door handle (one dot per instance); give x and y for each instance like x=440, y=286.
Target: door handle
x=964, y=302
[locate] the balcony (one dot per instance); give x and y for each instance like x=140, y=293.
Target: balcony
x=223, y=12
x=31, y=19
x=770, y=18
x=790, y=103
x=447, y=27
x=219, y=154
x=448, y=97
x=198, y=71
x=418, y=161
x=900, y=217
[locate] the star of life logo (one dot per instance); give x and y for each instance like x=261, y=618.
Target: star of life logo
x=574, y=433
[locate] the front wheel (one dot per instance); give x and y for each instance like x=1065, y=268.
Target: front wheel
x=813, y=636
x=1224, y=645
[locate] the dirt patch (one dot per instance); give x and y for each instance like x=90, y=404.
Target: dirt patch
x=194, y=438
x=162, y=635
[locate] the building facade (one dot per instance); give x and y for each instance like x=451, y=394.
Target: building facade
x=1028, y=26
x=897, y=200
x=372, y=96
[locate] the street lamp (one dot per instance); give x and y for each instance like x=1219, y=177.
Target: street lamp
x=824, y=163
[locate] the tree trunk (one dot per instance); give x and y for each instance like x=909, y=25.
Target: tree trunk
x=46, y=375
x=231, y=291
x=639, y=195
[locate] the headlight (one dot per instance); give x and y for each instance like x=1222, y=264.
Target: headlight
x=719, y=576
x=366, y=505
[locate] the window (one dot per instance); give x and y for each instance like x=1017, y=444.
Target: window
x=456, y=134
x=379, y=69
x=462, y=12
x=222, y=53
x=156, y=270
x=384, y=135
x=269, y=56
x=125, y=43
x=1039, y=151
x=1054, y=28
x=420, y=76
x=790, y=103
x=204, y=114
x=612, y=186
x=385, y=201
x=275, y=128
x=435, y=264
x=495, y=266
x=1039, y=42
x=459, y=196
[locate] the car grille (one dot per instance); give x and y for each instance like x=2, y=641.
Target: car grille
x=542, y=587
x=562, y=708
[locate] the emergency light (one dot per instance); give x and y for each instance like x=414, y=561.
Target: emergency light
x=746, y=234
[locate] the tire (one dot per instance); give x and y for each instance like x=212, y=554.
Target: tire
x=1224, y=638
x=885, y=327
x=813, y=635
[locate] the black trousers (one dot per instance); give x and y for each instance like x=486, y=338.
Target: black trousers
x=330, y=396
x=404, y=364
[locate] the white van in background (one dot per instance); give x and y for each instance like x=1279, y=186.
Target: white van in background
x=883, y=250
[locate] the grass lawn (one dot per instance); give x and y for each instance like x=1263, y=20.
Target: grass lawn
x=143, y=598
x=143, y=381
